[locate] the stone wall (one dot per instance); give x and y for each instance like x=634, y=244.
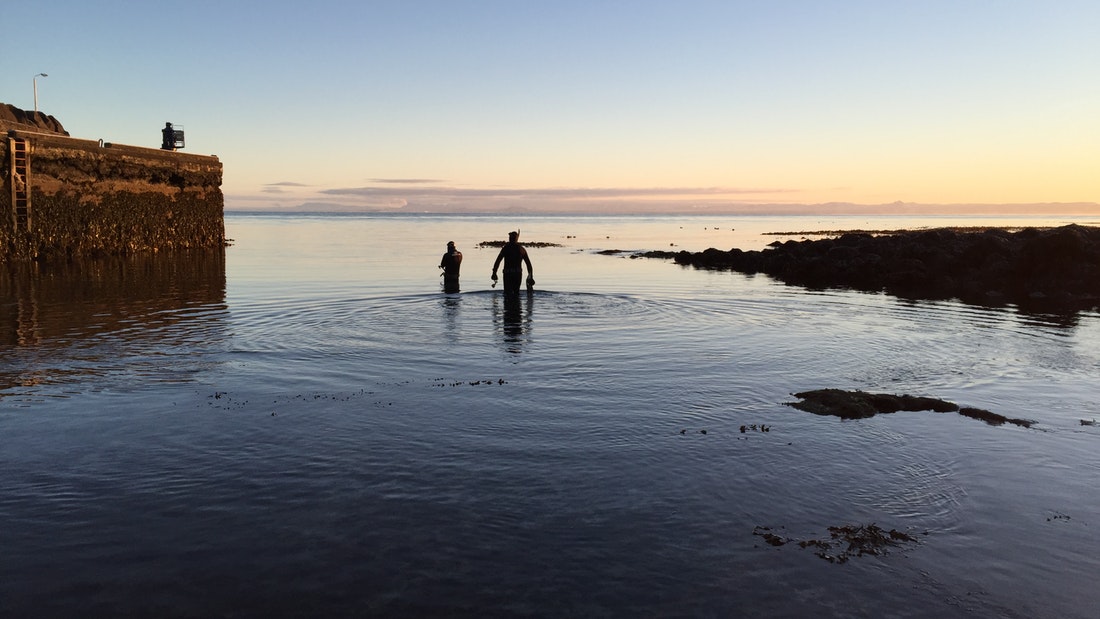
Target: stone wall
x=89, y=198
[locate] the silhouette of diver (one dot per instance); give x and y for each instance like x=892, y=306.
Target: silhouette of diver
x=514, y=256
x=451, y=262
x=168, y=137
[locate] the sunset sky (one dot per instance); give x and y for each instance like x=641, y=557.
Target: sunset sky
x=584, y=105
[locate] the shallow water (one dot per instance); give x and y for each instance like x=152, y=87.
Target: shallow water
x=309, y=427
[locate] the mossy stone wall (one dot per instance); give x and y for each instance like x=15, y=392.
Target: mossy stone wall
x=90, y=198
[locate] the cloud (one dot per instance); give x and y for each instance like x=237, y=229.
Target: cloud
x=411, y=196
x=280, y=187
x=406, y=181
x=565, y=193
x=609, y=200
x=414, y=196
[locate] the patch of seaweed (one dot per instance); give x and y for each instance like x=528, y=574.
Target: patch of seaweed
x=844, y=541
x=862, y=405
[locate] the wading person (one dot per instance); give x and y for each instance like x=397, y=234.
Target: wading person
x=168, y=137
x=450, y=264
x=514, y=256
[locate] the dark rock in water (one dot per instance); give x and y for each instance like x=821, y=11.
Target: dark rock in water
x=992, y=419
x=861, y=405
x=669, y=255
x=1046, y=269
x=484, y=244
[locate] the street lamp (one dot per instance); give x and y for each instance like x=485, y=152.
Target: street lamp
x=35, y=82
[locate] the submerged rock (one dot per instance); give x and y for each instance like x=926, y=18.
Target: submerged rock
x=861, y=405
x=992, y=419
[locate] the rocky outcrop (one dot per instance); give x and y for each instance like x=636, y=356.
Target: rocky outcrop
x=1056, y=268
x=12, y=117
x=862, y=405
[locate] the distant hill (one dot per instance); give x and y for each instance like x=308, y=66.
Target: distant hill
x=670, y=207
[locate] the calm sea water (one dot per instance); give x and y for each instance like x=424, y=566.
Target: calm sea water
x=308, y=426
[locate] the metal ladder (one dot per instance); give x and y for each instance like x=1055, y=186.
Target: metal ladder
x=20, y=183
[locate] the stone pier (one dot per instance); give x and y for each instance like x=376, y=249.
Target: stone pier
x=64, y=197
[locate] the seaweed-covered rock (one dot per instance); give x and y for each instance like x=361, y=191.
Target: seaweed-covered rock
x=992, y=419
x=861, y=405
x=1057, y=268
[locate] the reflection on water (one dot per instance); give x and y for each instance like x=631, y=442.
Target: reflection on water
x=512, y=317
x=451, y=305
x=451, y=285
x=65, y=319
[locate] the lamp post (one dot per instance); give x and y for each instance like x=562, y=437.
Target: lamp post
x=35, y=82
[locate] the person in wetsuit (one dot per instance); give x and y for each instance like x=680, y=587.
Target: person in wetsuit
x=450, y=264
x=168, y=137
x=514, y=256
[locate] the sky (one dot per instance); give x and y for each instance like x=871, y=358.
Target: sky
x=585, y=106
